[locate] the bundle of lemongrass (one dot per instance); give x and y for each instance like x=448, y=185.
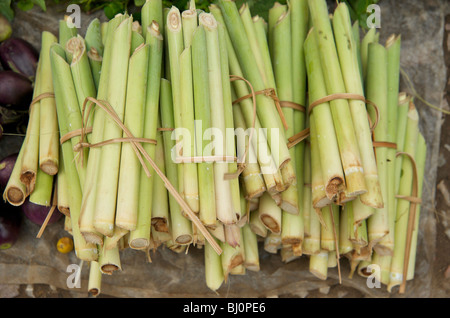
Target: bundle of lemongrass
x=220, y=130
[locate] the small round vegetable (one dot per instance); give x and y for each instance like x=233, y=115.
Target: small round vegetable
x=20, y=56
x=64, y=245
x=5, y=28
x=6, y=167
x=16, y=90
x=10, y=224
x=37, y=213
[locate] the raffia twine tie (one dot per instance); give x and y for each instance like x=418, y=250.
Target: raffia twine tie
x=142, y=154
x=302, y=135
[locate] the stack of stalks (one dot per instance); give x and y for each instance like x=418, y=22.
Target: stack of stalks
x=226, y=132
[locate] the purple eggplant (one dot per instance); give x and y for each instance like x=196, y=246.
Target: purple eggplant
x=37, y=213
x=20, y=56
x=16, y=90
x=6, y=167
x=10, y=224
x=5, y=28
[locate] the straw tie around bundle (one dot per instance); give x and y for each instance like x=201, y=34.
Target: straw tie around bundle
x=302, y=135
x=41, y=97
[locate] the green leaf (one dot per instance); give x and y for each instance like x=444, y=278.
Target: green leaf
x=112, y=9
x=40, y=3
x=6, y=11
x=25, y=5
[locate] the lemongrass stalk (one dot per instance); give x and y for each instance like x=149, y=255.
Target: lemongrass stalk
x=327, y=145
x=376, y=91
x=116, y=239
x=251, y=175
x=181, y=228
x=403, y=206
x=393, y=44
x=202, y=113
x=318, y=265
x=345, y=244
x=61, y=73
x=259, y=140
x=224, y=204
x=348, y=59
x=251, y=250
x=299, y=22
x=190, y=171
x=109, y=259
x=319, y=197
x=84, y=250
x=261, y=35
x=306, y=203
x=15, y=191
x=265, y=69
x=361, y=211
x=230, y=144
x=257, y=225
x=30, y=157
x=95, y=61
x=332, y=259
x=384, y=262
x=95, y=279
x=48, y=125
x=266, y=109
x=360, y=242
x=160, y=237
x=342, y=119
x=89, y=190
x=139, y=238
x=230, y=258
x=274, y=14
x=357, y=39
x=109, y=163
x=287, y=254
x=160, y=201
x=329, y=231
x=166, y=67
x=272, y=243
x=363, y=270
x=67, y=30
x=93, y=36
x=270, y=214
x=214, y=274
x=42, y=193
x=175, y=46
x=402, y=117
x=104, y=31
x=152, y=10
x=81, y=72
x=420, y=158
x=232, y=235
x=190, y=174
x=282, y=57
x=369, y=37
x=62, y=188
x=129, y=169
x=68, y=224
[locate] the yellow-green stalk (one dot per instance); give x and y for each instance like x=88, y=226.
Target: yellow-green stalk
x=15, y=191
x=214, y=274
x=318, y=264
x=270, y=213
x=251, y=251
x=106, y=197
x=42, y=193
x=48, y=122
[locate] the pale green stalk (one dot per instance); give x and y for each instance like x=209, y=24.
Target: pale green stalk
x=257, y=225
x=342, y=119
x=402, y=118
x=270, y=213
x=327, y=145
x=109, y=259
x=348, y=59
x=272, y=243
x=62, y=188
x=403, y=206
x=140, y=236
x=251, y=249
x=345, y=228
x=48, y=122
x=329, y=232
x=376, y=91
x=89, y=190
x=151, y=11
x=95, y=279
x=128, y=190
x=213, y=268
x=42, y=193
x=265, y=105
x=224, y=200
x=369, y=37
x=202, y=113
x=318, y=265
x=15, y=191
x=109, y=163
x=181, y=228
